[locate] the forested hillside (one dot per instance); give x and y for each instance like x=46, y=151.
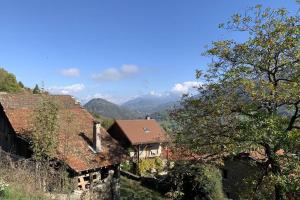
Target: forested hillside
x=8, y=82
x=110, y=110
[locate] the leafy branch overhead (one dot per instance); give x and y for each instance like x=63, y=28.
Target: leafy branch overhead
x=251, y=97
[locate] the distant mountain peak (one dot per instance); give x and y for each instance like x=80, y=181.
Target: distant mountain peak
x=148, y=104
x=108, y=109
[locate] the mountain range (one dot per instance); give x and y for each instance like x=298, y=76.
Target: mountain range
x=149, y=104
x=107, y=109
x=136, y=108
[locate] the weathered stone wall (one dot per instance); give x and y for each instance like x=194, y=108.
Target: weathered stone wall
x=109, y=189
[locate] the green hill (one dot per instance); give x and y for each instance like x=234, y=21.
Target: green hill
x=107, y=109
x=8, y=82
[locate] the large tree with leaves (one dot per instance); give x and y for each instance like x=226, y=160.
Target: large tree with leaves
x=8, y=82
x=251, y=98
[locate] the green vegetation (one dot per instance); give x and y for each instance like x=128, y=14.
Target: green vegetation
x=109, y=110
x=105, y=121
x=36, y=89
x=18, y=194
x=194, y=181
x=132, y=190
x=8, y=82
x=146, y=165
x=44, y=137
x=128, y=166
x=251, y=100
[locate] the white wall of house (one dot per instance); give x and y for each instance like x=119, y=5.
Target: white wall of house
x=147, y=150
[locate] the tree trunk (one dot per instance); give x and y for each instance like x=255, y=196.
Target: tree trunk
x=276, y=170
x=278, y=192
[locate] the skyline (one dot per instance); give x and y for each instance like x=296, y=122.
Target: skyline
x=115, y=50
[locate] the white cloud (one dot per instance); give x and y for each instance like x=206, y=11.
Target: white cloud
x=154, y=93
x=70, y=72
x=98, y=95
x=129, y=69
x=69, y=89
x=114, y=74
x=185, y=87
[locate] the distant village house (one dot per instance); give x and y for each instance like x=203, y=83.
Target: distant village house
x=144, y=138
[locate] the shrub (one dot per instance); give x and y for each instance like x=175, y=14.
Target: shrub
x=127, y=166
x=146, y=165
x=3, y=188
x=189, y=181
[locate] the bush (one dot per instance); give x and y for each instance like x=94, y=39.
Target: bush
x=133, y=190
x=189, y=181
x=3, y=188
x=146, y=165
x=127, y=166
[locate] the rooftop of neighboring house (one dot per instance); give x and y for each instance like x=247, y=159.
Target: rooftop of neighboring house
x=75, y=130
x=142, y=131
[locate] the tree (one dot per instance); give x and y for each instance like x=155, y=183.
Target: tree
x=21, y=84
x=251, y=98
x=36, y=89
x=8, y=82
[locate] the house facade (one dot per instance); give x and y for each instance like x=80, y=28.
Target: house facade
x=90, y=153
x=143, y=138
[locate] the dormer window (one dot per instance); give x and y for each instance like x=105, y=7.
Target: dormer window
x=146, y=130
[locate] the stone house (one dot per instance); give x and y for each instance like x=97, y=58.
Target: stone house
x=88, y=151
x=144, y=138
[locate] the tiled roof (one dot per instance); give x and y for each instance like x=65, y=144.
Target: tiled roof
x=142, y=131
x=75, y=137
x=180, y=154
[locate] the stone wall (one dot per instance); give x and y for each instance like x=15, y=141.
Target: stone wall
x=108, y=189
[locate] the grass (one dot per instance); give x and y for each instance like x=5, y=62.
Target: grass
x=132, y=190
x=13, y=193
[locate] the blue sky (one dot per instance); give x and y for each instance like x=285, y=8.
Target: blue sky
x=116, y=49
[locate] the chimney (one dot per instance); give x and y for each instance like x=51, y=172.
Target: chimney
x=97, y=136
x=148, y=117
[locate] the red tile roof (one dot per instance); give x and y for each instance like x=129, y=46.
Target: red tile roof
x=142, y=131
x=74, y=138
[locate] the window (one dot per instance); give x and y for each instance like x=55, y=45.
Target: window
x=86, y=178
x=146, y=130
x=104, y=173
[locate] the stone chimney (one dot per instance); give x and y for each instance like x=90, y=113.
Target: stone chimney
x=147, y=117
x=97, y=136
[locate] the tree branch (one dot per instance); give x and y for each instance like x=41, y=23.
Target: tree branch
x=293, y=118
